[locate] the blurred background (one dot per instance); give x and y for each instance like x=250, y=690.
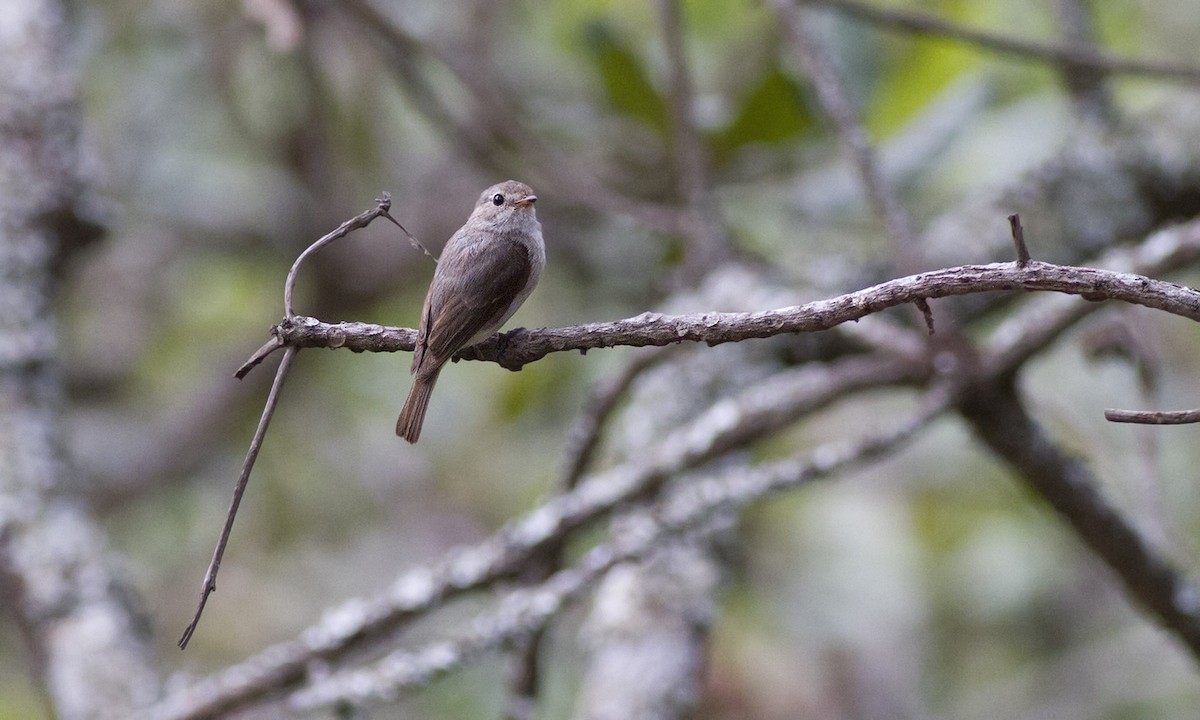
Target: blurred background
x=222, y=138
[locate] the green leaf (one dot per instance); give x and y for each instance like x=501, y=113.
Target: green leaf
x=624, y=77
x=774, y=112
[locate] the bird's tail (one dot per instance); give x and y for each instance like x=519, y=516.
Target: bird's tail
x=412, y=415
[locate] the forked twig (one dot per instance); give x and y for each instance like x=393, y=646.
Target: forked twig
x=382, y=205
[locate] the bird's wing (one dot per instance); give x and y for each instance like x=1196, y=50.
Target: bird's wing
x=472, y=290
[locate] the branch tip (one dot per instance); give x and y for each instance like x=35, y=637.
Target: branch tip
x=1153, y=417
x=259, y=355
x=214, y=565
x=1018, y=236
x=926, y=312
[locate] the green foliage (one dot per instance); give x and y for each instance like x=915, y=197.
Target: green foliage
x=775, y=111
x=914, y=75
x=623, y=76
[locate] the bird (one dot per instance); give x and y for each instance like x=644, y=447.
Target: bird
x=486, y=271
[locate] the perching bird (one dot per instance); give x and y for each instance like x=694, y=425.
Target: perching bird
x=485, y=272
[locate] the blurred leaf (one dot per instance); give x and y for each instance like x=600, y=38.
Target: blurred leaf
x=624, y=77
x=914, y=78
x=773, y=112
x=538, y=391
x=673, y=252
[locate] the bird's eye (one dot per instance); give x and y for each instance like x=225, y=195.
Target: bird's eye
x=497, y=199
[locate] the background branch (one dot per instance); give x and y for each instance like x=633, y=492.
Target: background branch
x=525, y=610
x=1068, y=55
x=998, y=416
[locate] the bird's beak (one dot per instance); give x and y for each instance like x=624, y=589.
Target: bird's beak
x=529, y=200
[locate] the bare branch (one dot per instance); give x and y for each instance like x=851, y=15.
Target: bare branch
x=520, y=347
x=998, y=417
x=583, y=437
x=1018, y=236
x=733, y=423
x=1153, y=417
x=581, y=442
x=926, y=24
x=1029, y=329
x=382, y=205
x=526, y=610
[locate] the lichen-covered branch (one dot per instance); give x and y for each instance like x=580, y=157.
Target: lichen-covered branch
x=517, y=348
x=523, y=611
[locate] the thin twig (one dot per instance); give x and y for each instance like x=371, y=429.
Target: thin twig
x=581, y=442
x=584, y=436
x=926, y=313
x=997, y=415
x=210, y=577
x=926, y=24
x=382, y=205
x=1028, y=330
x=258, y=356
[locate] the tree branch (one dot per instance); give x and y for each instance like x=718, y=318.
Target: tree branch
x=998, y=417
x=730, y=424
x=517, y=348
x=526, y=610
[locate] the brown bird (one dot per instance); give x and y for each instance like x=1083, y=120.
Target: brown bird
x=487, y=269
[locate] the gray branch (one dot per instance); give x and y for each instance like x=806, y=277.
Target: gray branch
x=524, y=611
x=517, y=348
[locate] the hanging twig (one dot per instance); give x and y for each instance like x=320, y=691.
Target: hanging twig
x=382, y=205
x=210, y=577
